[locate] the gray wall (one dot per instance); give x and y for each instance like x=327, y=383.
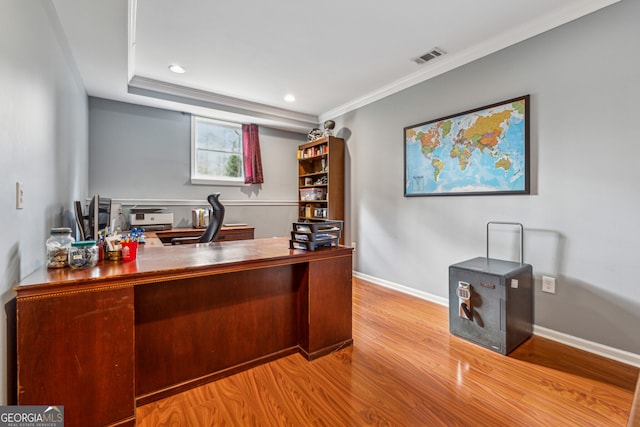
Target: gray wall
x=580, y=221
x=142, y=155
x=43, y=141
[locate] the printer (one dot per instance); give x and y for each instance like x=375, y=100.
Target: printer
x=151, y=218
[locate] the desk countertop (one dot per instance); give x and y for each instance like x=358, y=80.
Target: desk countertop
x=166, y=261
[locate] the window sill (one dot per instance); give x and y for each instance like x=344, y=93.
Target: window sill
x=219, y=182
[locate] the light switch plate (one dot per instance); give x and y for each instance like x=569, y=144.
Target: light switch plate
x=19, y=195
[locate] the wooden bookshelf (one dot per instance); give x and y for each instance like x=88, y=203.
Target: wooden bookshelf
x=321, y=180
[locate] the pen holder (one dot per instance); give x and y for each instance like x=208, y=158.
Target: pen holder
x=129, y=250
x=113, y=255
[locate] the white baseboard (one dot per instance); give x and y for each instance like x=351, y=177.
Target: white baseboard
x=404, y=289
x=590, y=346
x=582, y=344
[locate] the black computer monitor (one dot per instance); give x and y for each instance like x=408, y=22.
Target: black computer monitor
x=99, y=216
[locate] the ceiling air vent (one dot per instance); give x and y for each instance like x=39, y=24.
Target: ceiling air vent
x=433, y=54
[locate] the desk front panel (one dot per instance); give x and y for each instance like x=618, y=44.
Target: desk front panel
x=76, y=349
x=193, y=330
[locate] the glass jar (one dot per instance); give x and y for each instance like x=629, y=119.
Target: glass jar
x=58, y=245
x=83, y=254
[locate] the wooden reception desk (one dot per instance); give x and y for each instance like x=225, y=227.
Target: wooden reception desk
x=104, y=340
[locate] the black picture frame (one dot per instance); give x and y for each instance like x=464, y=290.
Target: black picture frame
x=482, y=151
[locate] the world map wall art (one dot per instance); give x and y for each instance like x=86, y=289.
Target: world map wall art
x=482, y=151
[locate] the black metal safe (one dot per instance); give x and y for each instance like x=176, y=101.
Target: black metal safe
x=491, y=300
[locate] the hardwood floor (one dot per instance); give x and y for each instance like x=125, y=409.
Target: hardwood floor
x=405, y=369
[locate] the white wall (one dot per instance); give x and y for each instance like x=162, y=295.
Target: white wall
x=580, y=221
x=43, y=142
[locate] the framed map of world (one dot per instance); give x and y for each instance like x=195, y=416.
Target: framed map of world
x=481, y=151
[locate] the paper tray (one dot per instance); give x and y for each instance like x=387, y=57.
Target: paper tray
x=320, y=236
x=315, y=227
x=312, y=246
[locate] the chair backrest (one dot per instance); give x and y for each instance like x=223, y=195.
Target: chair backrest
x=215, y=219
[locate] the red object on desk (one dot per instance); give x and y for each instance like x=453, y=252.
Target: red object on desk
x=129, y=250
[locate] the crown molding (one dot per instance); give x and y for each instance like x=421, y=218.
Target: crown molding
x=451, y=61
x=185, y=95
x=132, y=13
x=301, y=122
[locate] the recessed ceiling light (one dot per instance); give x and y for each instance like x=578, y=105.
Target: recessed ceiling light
x=289, y=98
x=177, y=69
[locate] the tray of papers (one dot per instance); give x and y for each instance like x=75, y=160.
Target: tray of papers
x=312, y=235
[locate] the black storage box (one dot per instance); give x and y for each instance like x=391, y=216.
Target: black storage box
x=491, y=302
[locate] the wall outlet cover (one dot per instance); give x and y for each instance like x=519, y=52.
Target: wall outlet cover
x=19, y=195
x=549, y=284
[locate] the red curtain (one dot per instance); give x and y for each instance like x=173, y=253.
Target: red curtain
x=252, y=158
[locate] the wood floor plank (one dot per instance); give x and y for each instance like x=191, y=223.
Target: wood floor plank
x=405, y=369
x=634, y=418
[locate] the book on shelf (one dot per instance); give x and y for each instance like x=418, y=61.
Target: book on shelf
x=313, y=151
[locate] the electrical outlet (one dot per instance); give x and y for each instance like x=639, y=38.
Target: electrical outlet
x=19, y=195
x=549, y=284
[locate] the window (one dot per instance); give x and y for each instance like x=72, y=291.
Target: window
x=216, y=152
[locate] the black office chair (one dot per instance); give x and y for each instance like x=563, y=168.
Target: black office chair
x=215, y=223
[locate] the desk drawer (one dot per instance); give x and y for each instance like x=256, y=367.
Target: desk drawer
x=228, y=234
